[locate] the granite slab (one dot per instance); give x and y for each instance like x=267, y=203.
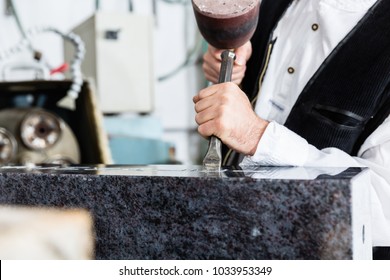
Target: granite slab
x=185, y=212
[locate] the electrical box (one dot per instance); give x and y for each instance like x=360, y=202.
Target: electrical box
x=119, y=58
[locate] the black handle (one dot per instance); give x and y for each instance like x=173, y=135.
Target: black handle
x=225, y=73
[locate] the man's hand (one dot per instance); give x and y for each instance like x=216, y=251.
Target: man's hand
x=212, y=63
x=223, y=110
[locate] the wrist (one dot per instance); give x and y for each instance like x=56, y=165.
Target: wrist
x=257, y=132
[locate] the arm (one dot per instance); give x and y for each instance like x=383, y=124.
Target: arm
x=224, y=110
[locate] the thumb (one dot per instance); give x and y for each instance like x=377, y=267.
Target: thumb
x=243, y=53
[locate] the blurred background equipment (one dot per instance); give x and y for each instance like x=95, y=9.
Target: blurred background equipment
x=43, y=120
x=36, y=136
x=40, y=70
x=138, y=140
x=119, y=59
x=8, y=146
x=36, y=130
x=149, y=56
x=39, y=62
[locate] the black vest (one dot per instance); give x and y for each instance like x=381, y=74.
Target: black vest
x=349, y=96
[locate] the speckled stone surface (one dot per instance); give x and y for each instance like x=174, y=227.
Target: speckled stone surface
x=177, y=212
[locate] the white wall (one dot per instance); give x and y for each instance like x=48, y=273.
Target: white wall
x=175, y=33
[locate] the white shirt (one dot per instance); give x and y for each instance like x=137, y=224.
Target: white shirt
x=303, y=48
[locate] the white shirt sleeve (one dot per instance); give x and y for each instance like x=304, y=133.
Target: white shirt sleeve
x=280, y=146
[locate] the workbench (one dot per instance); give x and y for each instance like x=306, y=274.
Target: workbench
x=167, y=212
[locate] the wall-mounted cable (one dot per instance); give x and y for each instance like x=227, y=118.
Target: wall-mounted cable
x=131, y=6
x=97, y=5
x=37, y=55
x=75, y=66
x=191, y=57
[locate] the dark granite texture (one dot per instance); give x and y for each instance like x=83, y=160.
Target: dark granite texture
x=174, y=212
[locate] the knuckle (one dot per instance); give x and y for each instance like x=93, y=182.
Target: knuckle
x=202, y=93
x=198, y=119
x=223, y=99
x=196, y=109
x=228, y=86
x=227, y=99
x=202, y=129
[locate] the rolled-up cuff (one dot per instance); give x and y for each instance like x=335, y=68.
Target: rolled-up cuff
x=279, y=146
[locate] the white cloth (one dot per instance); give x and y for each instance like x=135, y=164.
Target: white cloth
x=303, y=48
